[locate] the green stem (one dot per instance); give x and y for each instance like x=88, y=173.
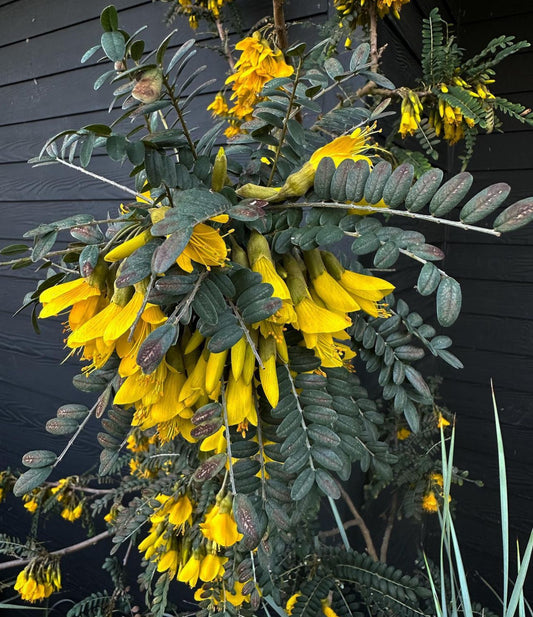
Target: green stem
x=175, y=104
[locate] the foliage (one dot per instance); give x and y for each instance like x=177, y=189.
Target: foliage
x=221, y=340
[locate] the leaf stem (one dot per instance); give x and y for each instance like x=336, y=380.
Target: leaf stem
x=73, y=548
x=175, y=104
x=405, y=213
x=104, y=179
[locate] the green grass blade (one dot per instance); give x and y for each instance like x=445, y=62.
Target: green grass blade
x=463, y=584
x=518, y=590
x=521, y=600
x=504, y=506
x=438, y=608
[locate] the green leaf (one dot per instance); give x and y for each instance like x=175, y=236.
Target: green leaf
x=359, y=57
x=417, y=381
x=109, y=18
x=484, y=202
x=31, y=479
x=116, y=147
x=448, y=301
x=135, y=152
x=376, y=182
x=450, y=194
x=182, y=50
x=89, y=53
x=386, y=255
x=247, y=521
x=378, y=79
x=100, y=81
x=515, y=216
x=39, y=458
x=428, y=279
x=155, y=346
x=423, y=190
x=136, y=50
x=113, y=45
x=166, y=254
x=327, y=484
x=323, y=435
x=14, y=249
x=61, y=426
x=137, y=266
x=43, y=244
x=86, y=149
x=333, y=68
x=303, y=484
x=161, y=50
x=153, y=163
x=326, y=458
x=355, y=186
x=397, y=186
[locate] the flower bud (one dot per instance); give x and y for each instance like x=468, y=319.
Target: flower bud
x=254, y=191
x=220, y=170
x=148, y=86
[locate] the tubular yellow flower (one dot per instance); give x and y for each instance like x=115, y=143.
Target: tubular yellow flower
x=411, y=110
x=366, y=290
x=39, y=579
x=240, y=402
x=206, y=247
x=58, y=298
x=212, y=567
x=220, y=526
x=291, y=602
x=125, y=249
x=268, y=374
x=430, y=503
x=219, y=106
x=190, y=570
x=72, y=514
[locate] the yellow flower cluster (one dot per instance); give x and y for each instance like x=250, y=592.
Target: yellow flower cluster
x=258, y=63
x=353, y=13
x=39, y=579
x=165, y=545
x=411, y=110
x=66, y=496
x=193, y=8
x=430, y=500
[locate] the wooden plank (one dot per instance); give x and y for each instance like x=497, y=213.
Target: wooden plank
x=508, y=370
x=503, y=151
x=493, y=263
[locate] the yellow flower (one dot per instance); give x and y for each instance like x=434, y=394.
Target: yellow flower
x=291, y=602
x=344, y=147
x=411, y=110
x=212, y=567
x=70, y=513
x=190, y=570
x=366, y=290
x=442, y=422
x=206, y=247
x=58, y=298
x=430, y=503
x=220, y=526
x=219, y=106
x=403, y=433
x=38, y=580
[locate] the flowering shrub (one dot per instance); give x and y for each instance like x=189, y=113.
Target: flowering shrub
x=227, y=347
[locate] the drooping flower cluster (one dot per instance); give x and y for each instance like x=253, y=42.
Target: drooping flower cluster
x=353, y=13
x=196, y=9
x=39, y=579
x=258, y=64
x=411, y=111
x=168, y=544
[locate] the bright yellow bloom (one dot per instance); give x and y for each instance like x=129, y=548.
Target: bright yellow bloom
x=219, y=106
x=58, y=298
x=442, y=422
x=403, y=433
x=291, y=602
x=366, y=290
x=220, y=526
x=411, y=110
x=430, y=503
x=206, y=247
x=72, y=513
x=38, y=580
x=190, y=570
x=125, y=249
x=212, y=567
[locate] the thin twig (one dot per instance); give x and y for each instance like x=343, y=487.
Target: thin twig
x=388, y=529
x=224, y=39
x=335, y=530
x=106, y=180
x=361, y=524
x=247, y=335
x=75, y=436
x=373, y=35
x=175, y=104
x=405, y=213
x=73, y=548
